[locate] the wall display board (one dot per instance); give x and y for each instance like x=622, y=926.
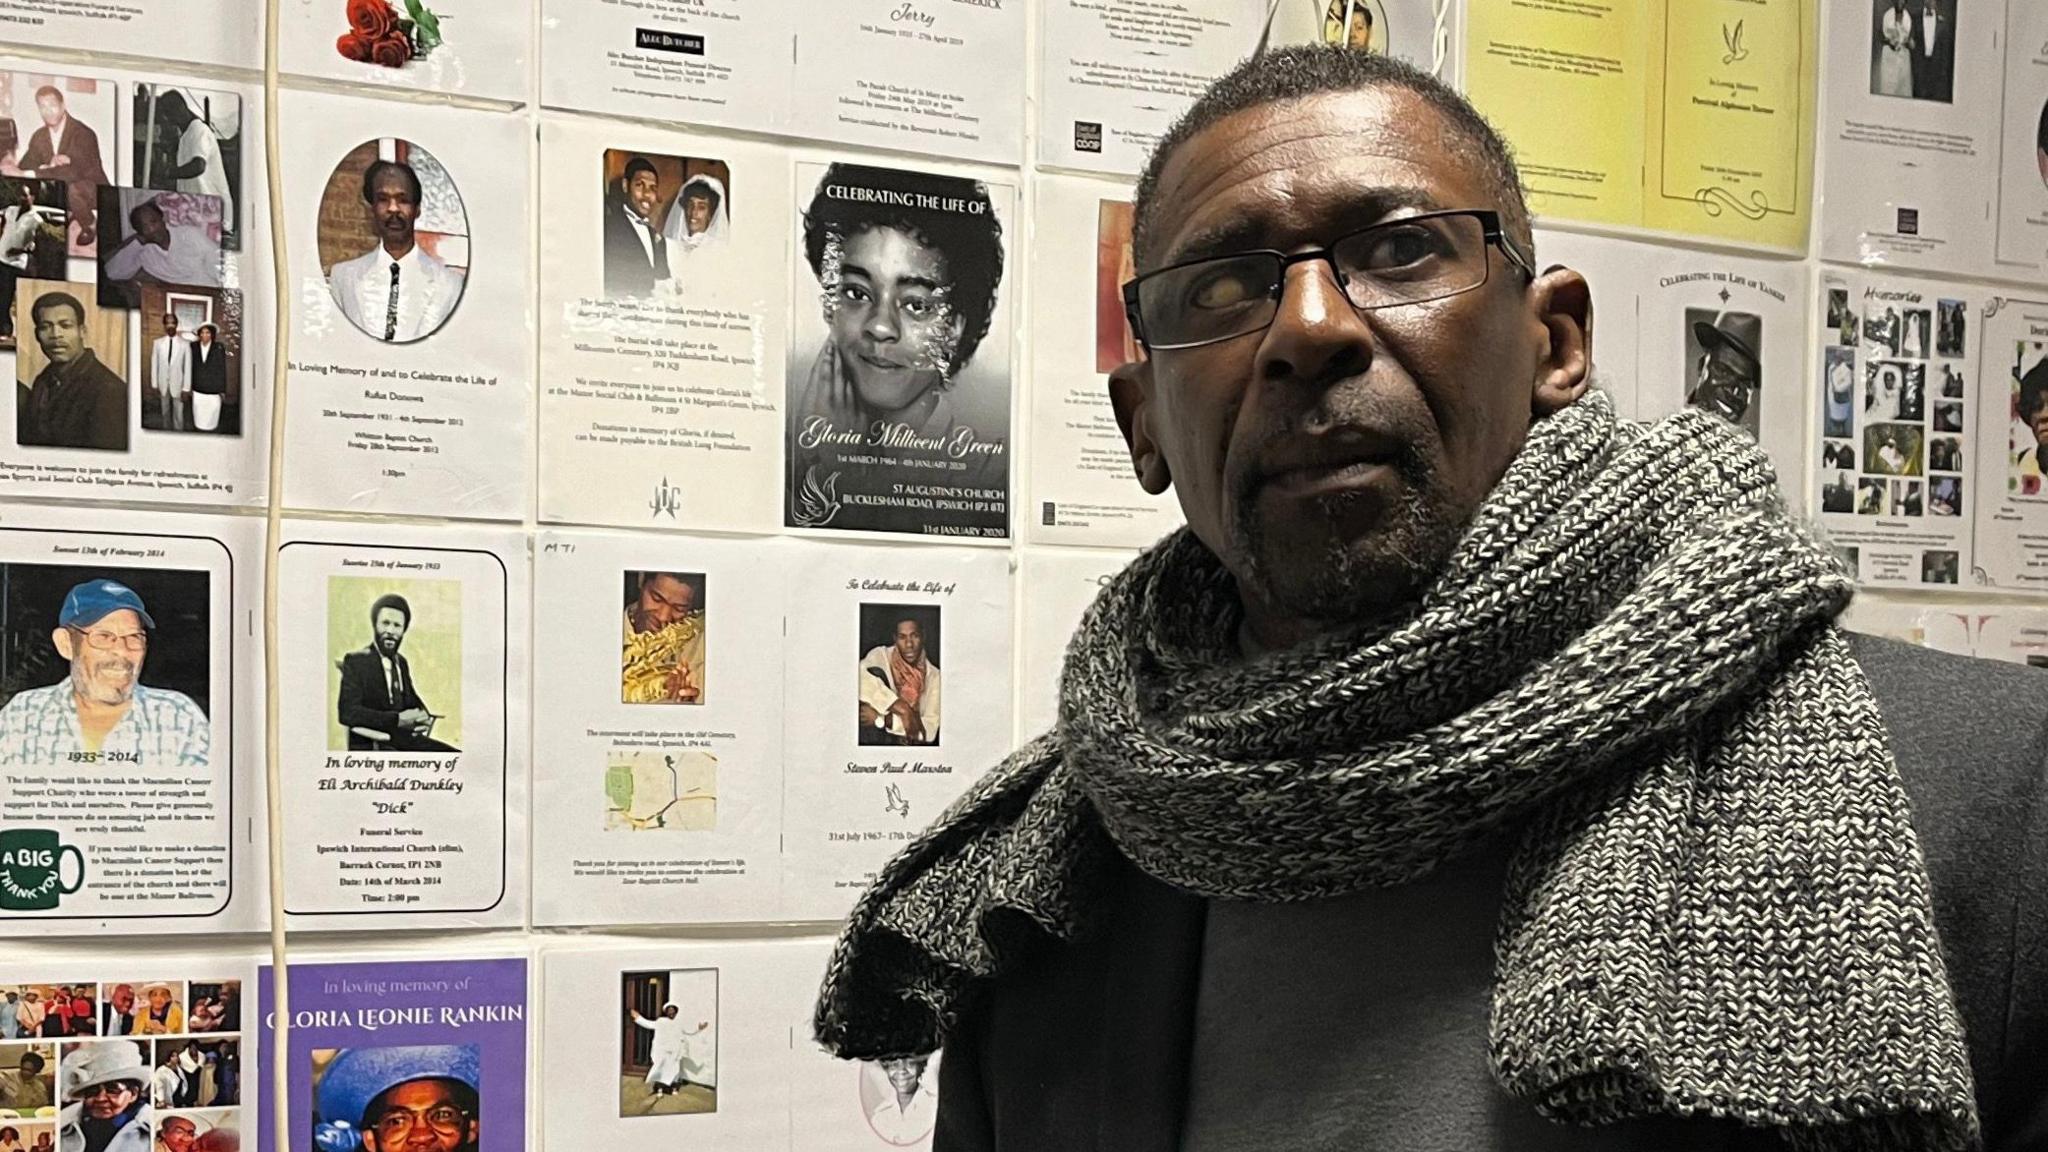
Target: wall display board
x=664, y=300
x=410, y=254
x=1685, y=116
x=404, y=730
x=2022, y=208
x=124, y=226
x=1055, y=587
x=478, y=48
x=2012, y=427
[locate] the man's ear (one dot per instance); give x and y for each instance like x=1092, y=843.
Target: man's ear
x=63, y=639
x=1130, y=392
x=1563, y=306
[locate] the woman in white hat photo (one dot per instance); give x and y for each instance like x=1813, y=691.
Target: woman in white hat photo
x=106, y=1102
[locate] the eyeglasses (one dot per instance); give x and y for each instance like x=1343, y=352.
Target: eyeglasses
x=108, y=641
x=1413, y=260
x=446, y=1119
x=116, y=1088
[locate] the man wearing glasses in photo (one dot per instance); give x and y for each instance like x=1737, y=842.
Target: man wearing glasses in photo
x=102, y=710
x=1477, y=771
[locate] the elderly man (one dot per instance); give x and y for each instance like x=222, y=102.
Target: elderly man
x=76, y=401
x=1475, y=771
x=405, y=1099
x=106, y=1099
x=102, y=709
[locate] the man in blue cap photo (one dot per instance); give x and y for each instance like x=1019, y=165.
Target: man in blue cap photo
x=412, y=1099
x=102, y=708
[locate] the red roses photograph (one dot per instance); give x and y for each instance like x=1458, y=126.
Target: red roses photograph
x=378, y=34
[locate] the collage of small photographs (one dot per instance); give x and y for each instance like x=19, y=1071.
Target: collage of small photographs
x=1893, y=425
x=118, y=259
x=124, y=1066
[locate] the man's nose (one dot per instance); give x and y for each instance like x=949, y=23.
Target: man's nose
x=1316, y=332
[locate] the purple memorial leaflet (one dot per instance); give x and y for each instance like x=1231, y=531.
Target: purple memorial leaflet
x=439, y=1042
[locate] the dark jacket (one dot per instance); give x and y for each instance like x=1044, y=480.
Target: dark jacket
x=1085, y=1047
x=82, y=406
x=365, y=699
x=210, y=371
x=1934, y=75
x=627, y=271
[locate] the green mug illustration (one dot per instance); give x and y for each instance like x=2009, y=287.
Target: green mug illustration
x=31, y=873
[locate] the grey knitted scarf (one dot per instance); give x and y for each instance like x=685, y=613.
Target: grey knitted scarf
x=1716, y=907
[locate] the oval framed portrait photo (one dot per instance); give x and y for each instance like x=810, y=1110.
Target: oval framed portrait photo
x=394, y=240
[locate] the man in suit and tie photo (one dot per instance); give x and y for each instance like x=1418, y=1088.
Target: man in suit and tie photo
x=379, y=705
x=1934, y=50
x=63, y=149
x=397, y=292
x=635, y=252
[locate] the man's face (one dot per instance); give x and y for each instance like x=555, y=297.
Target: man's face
x=151, y=226
x=419, y=1116
x=106, y=1101
x=393, y=208
x=1360, y=33
x=159, y=999
x=177, y=1133
x=663, y=601
x=1332, y=460
x=60, y=333
x=123, y=998
x=51, y=108
x=104, y=675
x=643, y=190
x=697, y=212
x=910, y=641
x=170, y=324
x=1725, y=383
x=390, y=626
x=891, y=321
x=2039, y=423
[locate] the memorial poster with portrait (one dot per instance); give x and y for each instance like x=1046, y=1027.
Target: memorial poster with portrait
x=658, y=692
x=130, y=723
x=410, y=371
x=403, y=732
x=158, y=1039
x=384, y=1049
x=2022, y=214
x=1055, y=587
x=897, y=415
x=719, y=63
x=920, y=640
x=219, y=33
x=1910, y=137
x=2012, y=442
x=945, y=77
x=673, y=1044
x=664, y=304
x=1893, y=477
x=481, y=48
x=1082, y=489
x=1694, y=118
x=146, y=230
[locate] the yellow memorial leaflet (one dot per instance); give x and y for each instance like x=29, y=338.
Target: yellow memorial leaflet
x=1689, y=116
x=1563, y=81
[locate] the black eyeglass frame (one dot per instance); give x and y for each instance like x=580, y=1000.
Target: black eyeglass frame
x=1489, y=222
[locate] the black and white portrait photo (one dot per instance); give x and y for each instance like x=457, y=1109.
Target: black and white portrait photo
x=1726, y=372
x=1913, y=49
x=899, y=369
